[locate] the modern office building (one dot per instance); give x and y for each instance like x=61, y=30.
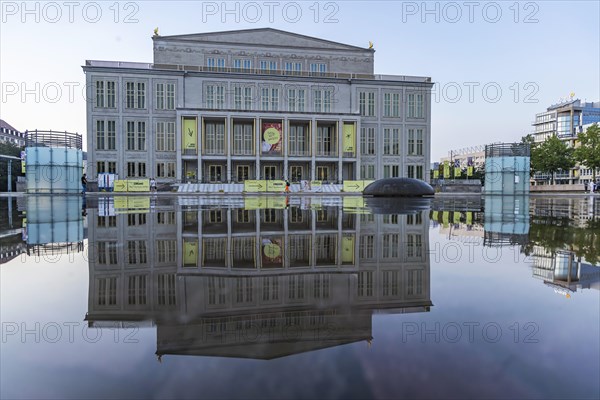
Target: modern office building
x=256, y=104
x=8, y=134
x=566, y=120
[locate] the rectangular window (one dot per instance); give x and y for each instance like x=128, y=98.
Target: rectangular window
x=100, y=134
x=367, y=171
x=100, y=167
x=299, y=143
x=367, y=247
x=243, y=63
x=136, y=135
x=367, y=137
x=165, y=136
x=214, y=138
x=416, y=107
x=326, y=141
x=243, y=138
x=391, y=105
x=112, y=167
x=136, y=95
x=391, y=141
x=296, y=100
x=165, y=96
x=141, y=170
x=105, y=94
x=269, y=99
x=415, y=142
x=365, y=284
x=130, y=169
x=215, y=97
x=322, y=100
x=295, y=173
x=248, y=98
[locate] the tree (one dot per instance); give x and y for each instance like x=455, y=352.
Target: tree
x=535, y=154
x=552, y=155
x=588, y=152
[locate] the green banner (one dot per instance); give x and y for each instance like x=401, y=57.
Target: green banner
x=349, y=139
x=190, y=134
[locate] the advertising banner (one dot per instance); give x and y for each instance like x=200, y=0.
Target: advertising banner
x=349, y=139
x=275, y=186
x=446, y=169
x=138, y=185
x=190, y=253
x=190, y=134
x=253, y=186
x=272, y=138
x=348, y=249
x=272, y=252
x=120, y=186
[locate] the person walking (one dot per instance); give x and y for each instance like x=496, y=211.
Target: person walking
x=83, y=184
x=153, y=185
x=287, y=186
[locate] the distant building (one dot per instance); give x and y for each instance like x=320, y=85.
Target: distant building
x=474, y=155
x=8, y=134
x=566, y=120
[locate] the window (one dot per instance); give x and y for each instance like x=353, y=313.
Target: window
x=242, y=63
x=322, y=173
x=130, y=169
x=295, y=173
x=135, y=95
x=415, y=105
x=296, y=287
x=322, y=100
x=269, y=98
x=391, y=105
x=100, y=167
x=165, y=136
x=366, y=103
x=391, y=245
x=270, y=288
x=242, y=98
x=415, y=171
x=215, y=97
x=391, y=171
x=112, y=167
x=268, y=65
x=243, y=173
x=215, y=62
x=367, y=171
x=319, y=68
x=165, y=96
x=142, y=169
x=214, y=138
x=296, y=100
x=367, y=247
x=136, y=250
x=243, y=138
x=326, y=141
x=100, y=134
x=107, y=291
x=166, y=290
x=137, y=290
x=391, y=141
x=390, y=283
x=414, y=285
x=365, y=283
x=105, y=94
x=415, y=142
x=165, y=170
x=165, y=217
x=136, y=135
x=299, y=140
x=367, y=137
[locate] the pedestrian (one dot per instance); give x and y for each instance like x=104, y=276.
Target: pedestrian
x=592, y=187
x=83, y=184
x=287, y=186
x=585, y=187
x=152, y=185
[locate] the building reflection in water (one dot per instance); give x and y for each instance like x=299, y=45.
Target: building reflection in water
x=256, y=282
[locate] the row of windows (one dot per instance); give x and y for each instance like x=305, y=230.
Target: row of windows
x=135, y=95
x=162, y=218
x=12, y=132
x=367, y=171
x=266, y=65
x=392, y=141
x=415, y=105
x=138, y=169
x=106, y=290
x=135, y=132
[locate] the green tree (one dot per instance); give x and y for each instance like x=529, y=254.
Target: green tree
x=553, y=155
x=535, y=154
x=588, y=152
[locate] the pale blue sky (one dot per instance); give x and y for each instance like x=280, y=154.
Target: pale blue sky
x=547, y=59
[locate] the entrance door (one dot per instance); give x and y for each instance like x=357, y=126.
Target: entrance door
x=243, y=172
x=214, y=173
x=296, y=173
x=270, y=172
x=322, y=173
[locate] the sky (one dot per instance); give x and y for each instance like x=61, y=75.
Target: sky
x=495, y=64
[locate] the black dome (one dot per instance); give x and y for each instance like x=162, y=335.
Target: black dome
x=399, y=187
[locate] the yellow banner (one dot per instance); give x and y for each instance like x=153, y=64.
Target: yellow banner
x=277, y=202
x=436, y=174
x=120, y=186
x=349, y=140
x=255, y=186
x=446, y=170
x=190, y=134
x=456, y=217
x=138, y=185
x=190, y=253
x=434, y=216
x=275, y=186
x=469, y=171
x=355, y=186
x=138, y=202
x=254, y=203
x=348, y=249
x=445, y=218
x=469, y=218
x=457, y=171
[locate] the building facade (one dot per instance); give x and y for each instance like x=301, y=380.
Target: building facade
x=8, y=134
x=566, y=120
x=256, y=104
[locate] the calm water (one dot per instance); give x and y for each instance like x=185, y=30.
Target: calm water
x=300, y=297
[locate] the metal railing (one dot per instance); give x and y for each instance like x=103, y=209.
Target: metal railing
x=53, y=139
x=507, y=150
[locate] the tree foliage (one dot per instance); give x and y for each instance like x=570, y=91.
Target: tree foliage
x=551, y=156
x=588, y=152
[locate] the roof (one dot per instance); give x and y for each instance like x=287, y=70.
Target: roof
x=263, y=37
x=6, y=125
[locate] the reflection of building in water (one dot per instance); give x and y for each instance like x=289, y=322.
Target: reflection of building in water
x=459, y=218
x=578, y=209
x=506, y=220
x=54, y=224
x=564, y=271
x=256, y=283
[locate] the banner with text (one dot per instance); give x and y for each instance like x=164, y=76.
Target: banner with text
x=190, y=134
x=272, y=137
